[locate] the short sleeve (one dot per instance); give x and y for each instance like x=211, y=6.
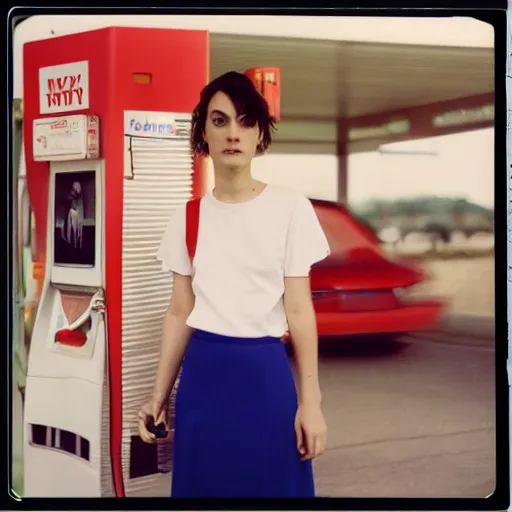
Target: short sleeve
x=306, y=242
x=172, y=251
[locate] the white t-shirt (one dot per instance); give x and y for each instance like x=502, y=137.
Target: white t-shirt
x=244, y=251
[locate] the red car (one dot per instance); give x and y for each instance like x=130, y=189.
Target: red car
x=358, y=289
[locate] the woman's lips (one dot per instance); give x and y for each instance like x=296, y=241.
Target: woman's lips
x=232, y=152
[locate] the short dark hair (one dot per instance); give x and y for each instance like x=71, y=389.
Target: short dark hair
x=247, y=101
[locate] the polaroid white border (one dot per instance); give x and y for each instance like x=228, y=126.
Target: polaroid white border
x=70, y=275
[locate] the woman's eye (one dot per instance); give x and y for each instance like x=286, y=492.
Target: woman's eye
x=247, y=122
x=218, y=121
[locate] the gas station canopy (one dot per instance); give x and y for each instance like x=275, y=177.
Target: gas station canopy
x=326, y=85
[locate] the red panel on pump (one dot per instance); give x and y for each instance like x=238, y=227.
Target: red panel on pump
x=174, y=67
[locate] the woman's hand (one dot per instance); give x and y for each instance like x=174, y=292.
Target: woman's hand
x=157, y=410
x=311, y=431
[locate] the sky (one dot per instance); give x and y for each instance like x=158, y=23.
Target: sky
x=463, y=166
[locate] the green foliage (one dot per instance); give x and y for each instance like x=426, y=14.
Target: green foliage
x=428, y=206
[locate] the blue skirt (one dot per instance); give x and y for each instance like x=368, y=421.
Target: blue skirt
x=234, y=426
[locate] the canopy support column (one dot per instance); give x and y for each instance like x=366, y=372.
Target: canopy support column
x=342, y=153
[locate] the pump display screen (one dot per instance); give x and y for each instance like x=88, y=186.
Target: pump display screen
x=75, y=219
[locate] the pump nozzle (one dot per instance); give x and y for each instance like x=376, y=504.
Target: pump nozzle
x=71, y=335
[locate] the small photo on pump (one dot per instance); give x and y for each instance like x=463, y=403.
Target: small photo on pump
x=75, y=219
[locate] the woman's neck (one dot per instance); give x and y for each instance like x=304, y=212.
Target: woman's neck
x=234, y=187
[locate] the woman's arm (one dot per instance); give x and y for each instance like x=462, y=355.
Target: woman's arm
x=175, y=337
x=301, y=318
x=310, y=425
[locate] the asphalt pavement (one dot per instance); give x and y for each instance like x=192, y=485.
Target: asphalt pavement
x=416, y=419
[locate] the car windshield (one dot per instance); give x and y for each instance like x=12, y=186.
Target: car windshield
x=342, y=230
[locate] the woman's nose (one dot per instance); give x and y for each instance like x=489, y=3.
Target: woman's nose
x=233, y=133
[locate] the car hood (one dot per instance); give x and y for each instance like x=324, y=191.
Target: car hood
x=363, y=269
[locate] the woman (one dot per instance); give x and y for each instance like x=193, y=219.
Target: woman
x=241, y=430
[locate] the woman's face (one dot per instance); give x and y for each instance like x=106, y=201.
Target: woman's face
x=232, y=142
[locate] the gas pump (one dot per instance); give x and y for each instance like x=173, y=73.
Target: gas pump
x=107, y=125
x=68, y=350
